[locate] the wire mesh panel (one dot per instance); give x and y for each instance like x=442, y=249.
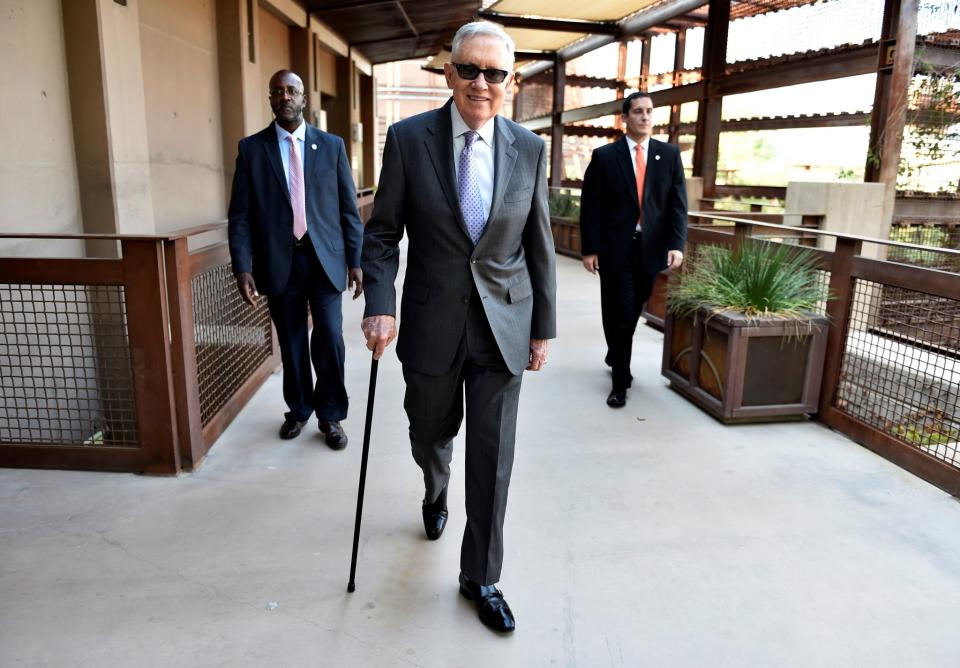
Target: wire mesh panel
x=906, y=385
x=232, y=340
x=65, y=372
x=926, y=233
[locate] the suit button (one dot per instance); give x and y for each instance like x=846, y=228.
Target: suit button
x=465, y=300
x=473, y=260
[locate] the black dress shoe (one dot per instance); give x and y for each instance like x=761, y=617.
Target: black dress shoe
x=334, y=435
x=435, y=515
x=617, y=399
x=291, y=429
x=491, y=606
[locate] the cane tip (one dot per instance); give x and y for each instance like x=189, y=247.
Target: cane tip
x=351, y=587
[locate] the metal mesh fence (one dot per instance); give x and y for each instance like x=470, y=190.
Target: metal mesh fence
x=65, y=372
x=930, y=154
x=232, y=340
x=906, y=385
x=923, y=233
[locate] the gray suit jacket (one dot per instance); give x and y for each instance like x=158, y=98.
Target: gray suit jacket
x=513, y=266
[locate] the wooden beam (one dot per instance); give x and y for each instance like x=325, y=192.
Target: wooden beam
x=645, y=63
x=556, y=130
x=557, y=25
x=679, y=50
x=798, y=70
x=707, y=148
x=535, y=55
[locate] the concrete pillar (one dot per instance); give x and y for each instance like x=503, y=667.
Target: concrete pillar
x=239, y=78
x=109, y=116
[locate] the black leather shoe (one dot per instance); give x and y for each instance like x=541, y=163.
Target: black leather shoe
x=334, y=435
x=492, y=609
x=617, y=399
x=435, y=515
x=291, y=429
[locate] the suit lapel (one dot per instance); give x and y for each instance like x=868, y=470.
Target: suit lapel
x=310, y=155
x=439, y=144
x=271, y=147
x=504, y=160
x=625, y=160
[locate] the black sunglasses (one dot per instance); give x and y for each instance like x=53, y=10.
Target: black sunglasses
x=471, y=72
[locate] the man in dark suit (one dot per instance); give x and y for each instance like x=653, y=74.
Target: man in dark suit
x=479, y=296
x=295, y=235
x=633, y=224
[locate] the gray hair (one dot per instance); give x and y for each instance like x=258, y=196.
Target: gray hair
x=483, y=29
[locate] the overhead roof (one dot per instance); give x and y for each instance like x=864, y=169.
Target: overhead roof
x=388, y=30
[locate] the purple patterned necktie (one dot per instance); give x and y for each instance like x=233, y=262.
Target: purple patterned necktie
x=469, y=190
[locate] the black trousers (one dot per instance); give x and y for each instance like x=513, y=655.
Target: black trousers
x=622, y=296
x=435, y=409
x=310, y=286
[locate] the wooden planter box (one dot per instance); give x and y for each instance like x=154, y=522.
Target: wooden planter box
x=566, y=236
x=741, y=370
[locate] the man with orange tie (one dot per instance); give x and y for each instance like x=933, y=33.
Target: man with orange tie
x=633, y=224
x=295, y=236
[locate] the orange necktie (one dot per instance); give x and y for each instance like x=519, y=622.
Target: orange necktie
x=641, y=174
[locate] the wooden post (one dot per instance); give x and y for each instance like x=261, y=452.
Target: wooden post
x=148, y=325
x=645, y=63
x=707, y=149
x=556, y=127
x=838, y=310
x=881, y=96
x=678, y=52
x=897, y=104
x=184, y=352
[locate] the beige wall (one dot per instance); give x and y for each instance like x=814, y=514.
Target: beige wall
x=178, y=42
x=38, y=177
x=273, y=53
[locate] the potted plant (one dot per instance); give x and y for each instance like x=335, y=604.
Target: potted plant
x=565, y=221
x=742, y=339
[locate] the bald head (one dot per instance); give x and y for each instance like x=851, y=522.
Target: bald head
x=287, y=100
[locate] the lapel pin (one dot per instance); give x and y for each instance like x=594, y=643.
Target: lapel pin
x=314, y=147
x=656, y=157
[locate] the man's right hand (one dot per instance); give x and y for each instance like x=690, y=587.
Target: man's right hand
x=247, y=288
x=380, y=330
x=590, y=263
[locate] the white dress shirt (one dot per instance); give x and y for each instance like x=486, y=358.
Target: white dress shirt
x=482, y=155
x=300, y=134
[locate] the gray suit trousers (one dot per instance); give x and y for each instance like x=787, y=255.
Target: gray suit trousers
x=435, y=409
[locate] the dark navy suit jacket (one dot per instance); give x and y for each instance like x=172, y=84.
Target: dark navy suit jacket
x=261, y=218
x=609, y=207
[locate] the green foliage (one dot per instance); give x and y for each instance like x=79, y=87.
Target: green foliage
x=564, y=205
x=758, y=279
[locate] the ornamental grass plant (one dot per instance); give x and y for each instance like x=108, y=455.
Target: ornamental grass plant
x=758, y=280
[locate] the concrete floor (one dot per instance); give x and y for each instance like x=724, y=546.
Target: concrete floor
x=650, y=536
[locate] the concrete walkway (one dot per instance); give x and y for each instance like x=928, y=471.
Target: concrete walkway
x=650, y=536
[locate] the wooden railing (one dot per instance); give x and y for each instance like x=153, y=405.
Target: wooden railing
x=104, y=361
x=896, y=390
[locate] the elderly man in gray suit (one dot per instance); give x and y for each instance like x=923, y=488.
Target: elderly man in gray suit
x=479, y=296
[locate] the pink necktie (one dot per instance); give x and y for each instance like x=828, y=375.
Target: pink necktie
x=297, y=198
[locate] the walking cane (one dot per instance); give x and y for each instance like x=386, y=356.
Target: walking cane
x=351, y=586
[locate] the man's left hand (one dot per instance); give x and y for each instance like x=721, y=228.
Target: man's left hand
x=355, y=281
x=538, y=354
x=674, y=259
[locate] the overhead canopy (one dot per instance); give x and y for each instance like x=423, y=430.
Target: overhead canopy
x=389, y=30
x=594, y=10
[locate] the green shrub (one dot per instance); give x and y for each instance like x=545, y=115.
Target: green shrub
x=758, y=279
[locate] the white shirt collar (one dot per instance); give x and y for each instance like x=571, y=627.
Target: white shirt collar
x=460, y=126
x=632, y=144
x=300, y=133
